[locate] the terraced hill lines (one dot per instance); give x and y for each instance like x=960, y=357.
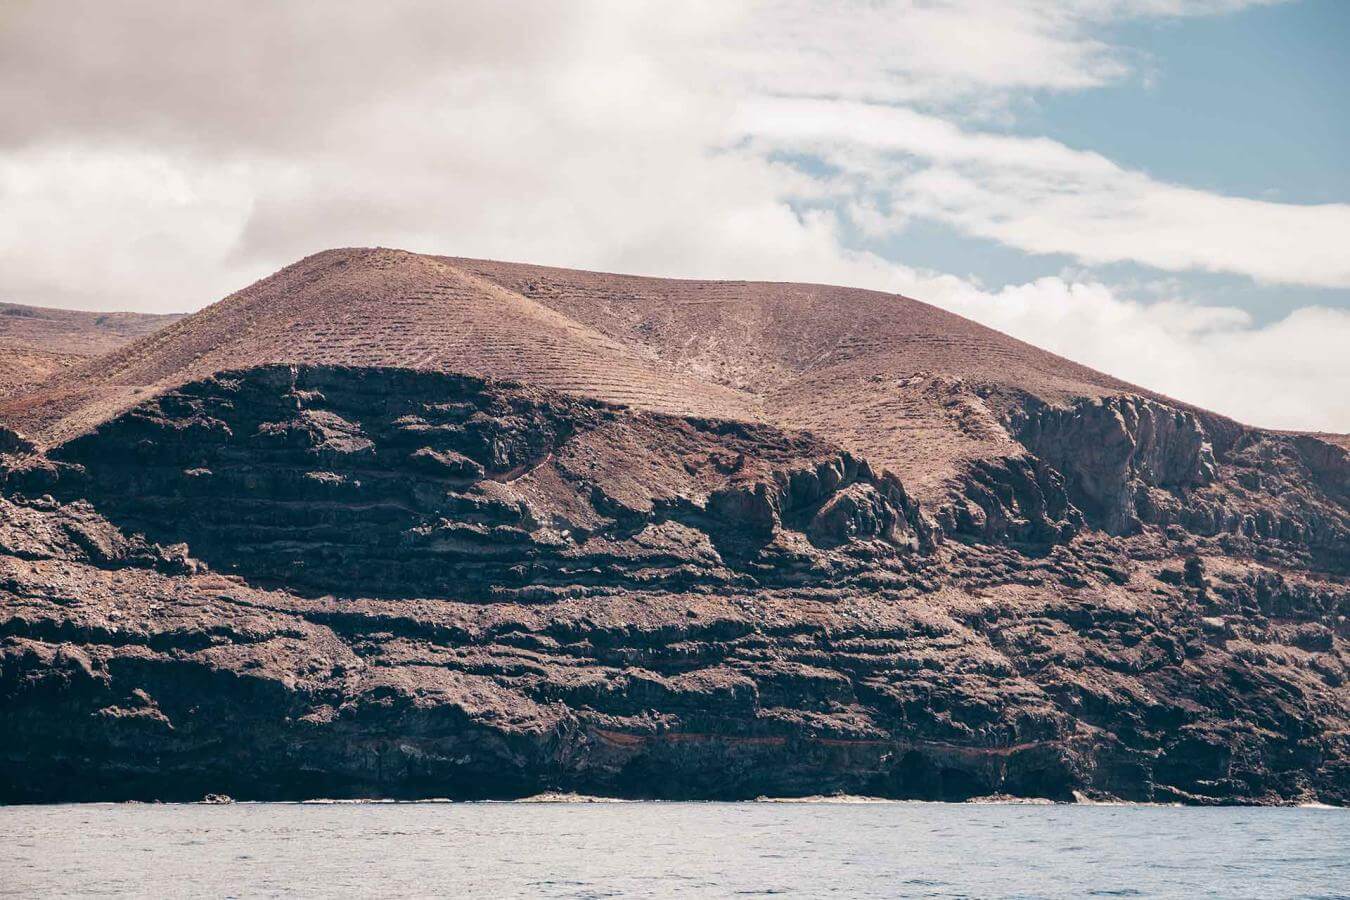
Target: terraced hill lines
x=372, y=308
x=752, y=333
x=905, y=383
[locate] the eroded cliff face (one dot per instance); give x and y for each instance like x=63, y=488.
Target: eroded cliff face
x=1129, y=462
x=1123, y=464
x=1015, y=499
x=325, y=581
x=385, y=482
x=1113, y=451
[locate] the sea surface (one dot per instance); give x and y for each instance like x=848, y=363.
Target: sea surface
x=810, y=849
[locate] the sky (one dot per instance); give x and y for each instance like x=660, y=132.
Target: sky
x=1156, y=188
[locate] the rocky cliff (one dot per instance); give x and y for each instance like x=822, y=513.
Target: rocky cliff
x=299, y=580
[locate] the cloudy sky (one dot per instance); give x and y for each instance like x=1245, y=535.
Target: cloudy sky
x=1157, y=188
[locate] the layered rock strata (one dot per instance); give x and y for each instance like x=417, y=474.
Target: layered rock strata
x=297, y=581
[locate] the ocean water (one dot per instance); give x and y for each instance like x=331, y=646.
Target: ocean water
x=822, y=849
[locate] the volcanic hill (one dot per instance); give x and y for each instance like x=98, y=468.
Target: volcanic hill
x=387, y=524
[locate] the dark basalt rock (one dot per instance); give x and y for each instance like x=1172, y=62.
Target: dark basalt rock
x=1113, y=450
x=369, y=482
x=1015, y=499
x=1131, y=461
x=291, y=582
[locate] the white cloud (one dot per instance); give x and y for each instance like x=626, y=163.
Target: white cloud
x=942, y=51
x=1291, y=373
x=119, y=228
x=1044, y=197
x=156, y=156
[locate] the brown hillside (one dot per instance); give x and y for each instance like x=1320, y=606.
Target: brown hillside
x=891, y=377
x=372, y=308
x=37, y=343
x=883, y=374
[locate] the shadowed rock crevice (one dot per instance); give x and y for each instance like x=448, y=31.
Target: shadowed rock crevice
x=1129, y=461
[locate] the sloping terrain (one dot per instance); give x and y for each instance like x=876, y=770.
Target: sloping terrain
x=890, y=376
x=20, y=368
x=36, y=342
x=371, y=308
x=394, y=525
